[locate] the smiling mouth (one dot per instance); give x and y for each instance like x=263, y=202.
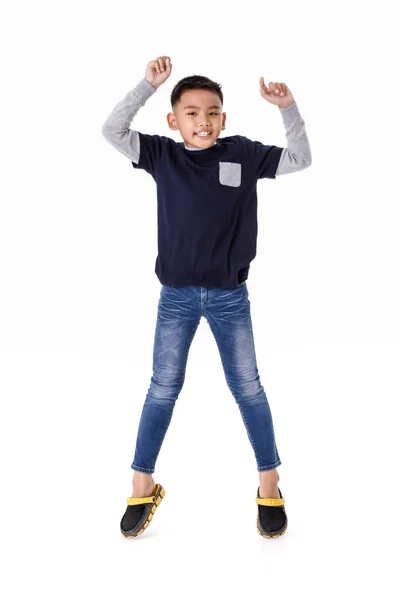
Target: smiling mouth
x=203, y=136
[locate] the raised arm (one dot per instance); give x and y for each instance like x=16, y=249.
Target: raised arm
x=116, y=127
x=297, y=155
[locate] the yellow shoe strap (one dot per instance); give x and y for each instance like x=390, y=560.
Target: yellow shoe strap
x=270, y=501
x=151, y=498
x=131, y=500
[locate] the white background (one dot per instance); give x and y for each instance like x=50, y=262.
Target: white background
x=78, y=302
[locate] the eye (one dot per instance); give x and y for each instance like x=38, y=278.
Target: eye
x=192, y=113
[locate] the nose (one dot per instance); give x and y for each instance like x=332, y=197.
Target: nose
x=204, y=119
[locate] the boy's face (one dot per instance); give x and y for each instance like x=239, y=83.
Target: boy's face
x=198, y=110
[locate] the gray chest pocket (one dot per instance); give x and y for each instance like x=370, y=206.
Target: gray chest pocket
x=230, y=173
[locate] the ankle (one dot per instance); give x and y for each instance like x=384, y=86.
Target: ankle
x=269, y=478
x=143, y=482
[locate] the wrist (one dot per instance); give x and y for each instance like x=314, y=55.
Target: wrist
x=151, y=83
x=286, y=105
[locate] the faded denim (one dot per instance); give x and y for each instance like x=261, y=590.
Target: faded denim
x=227, y=311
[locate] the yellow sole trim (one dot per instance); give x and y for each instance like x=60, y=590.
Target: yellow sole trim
x=269, y=536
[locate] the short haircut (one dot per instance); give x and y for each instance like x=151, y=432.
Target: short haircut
x=197, y=82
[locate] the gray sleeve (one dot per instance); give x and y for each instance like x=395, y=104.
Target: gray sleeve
x=297, y=155
x=116, y=127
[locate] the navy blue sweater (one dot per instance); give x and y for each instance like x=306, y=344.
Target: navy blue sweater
x=206, y=198
x=207, y=207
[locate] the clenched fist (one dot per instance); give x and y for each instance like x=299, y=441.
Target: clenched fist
x=158, y=70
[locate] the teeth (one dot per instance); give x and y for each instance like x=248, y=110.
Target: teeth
x=203, y=134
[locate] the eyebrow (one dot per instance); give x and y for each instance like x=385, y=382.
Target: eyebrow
x=191, y=106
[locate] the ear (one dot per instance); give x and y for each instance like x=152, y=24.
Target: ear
x=223, y=120
x=171, y=119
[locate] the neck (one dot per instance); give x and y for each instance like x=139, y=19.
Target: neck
x=187, y=148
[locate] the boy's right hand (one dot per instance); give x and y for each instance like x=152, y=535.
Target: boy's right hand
x=158, y=70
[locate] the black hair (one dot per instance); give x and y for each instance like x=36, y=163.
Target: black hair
x=195, y=82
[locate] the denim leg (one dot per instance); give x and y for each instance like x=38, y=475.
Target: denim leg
x=177, y=322
x=228, y=314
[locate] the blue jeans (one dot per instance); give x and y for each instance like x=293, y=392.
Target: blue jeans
x=227, y=311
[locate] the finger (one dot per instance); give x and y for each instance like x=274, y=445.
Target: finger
x=265, y=92
x=277, y=89
x=265, y=89
x=274, y=88
x=285, y=88
x=163, y=63
x=156, y=66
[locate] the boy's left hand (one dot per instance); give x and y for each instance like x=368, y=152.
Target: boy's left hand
x=277, y=93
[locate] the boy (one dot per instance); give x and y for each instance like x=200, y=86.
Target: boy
x=207, y=230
